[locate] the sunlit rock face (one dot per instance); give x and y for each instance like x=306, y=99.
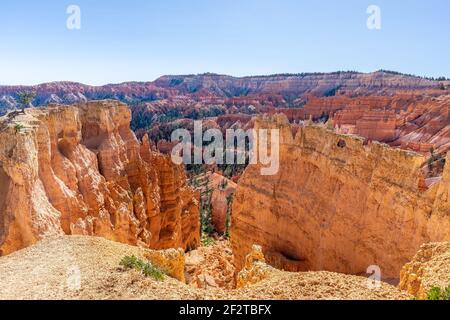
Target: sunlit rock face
x=81, y=170
x=430, y=268
x=338, y=203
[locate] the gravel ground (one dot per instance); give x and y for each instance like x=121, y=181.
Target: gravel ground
x=76, y=267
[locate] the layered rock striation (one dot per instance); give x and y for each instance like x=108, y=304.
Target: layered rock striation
x=338, y=204
x=215, y=87
x=81, y=171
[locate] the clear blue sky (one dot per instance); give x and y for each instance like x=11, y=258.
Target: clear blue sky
x=143, y=39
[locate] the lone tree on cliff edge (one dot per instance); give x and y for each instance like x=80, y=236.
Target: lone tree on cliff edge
x=25, y=99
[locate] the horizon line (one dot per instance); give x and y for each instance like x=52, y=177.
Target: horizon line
x=287, y=74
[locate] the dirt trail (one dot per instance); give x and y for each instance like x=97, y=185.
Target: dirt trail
x=48, y=270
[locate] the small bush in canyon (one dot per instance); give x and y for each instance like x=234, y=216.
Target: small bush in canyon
x=18, y=127
x=437, y=293
x=207, y=241
x=147, y=269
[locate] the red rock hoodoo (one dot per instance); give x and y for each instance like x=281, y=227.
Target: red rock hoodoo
x=81, y=170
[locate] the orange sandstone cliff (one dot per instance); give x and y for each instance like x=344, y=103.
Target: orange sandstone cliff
x=81, y=171
x=338, y=204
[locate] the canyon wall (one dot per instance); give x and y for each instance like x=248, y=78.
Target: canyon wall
x=338, y=204
x=81, y=171
x=411, y=120
x=212, y=89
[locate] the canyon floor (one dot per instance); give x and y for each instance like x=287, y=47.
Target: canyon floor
x=42, y=270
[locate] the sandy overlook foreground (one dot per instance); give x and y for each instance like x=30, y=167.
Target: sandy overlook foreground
x=41, y=272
